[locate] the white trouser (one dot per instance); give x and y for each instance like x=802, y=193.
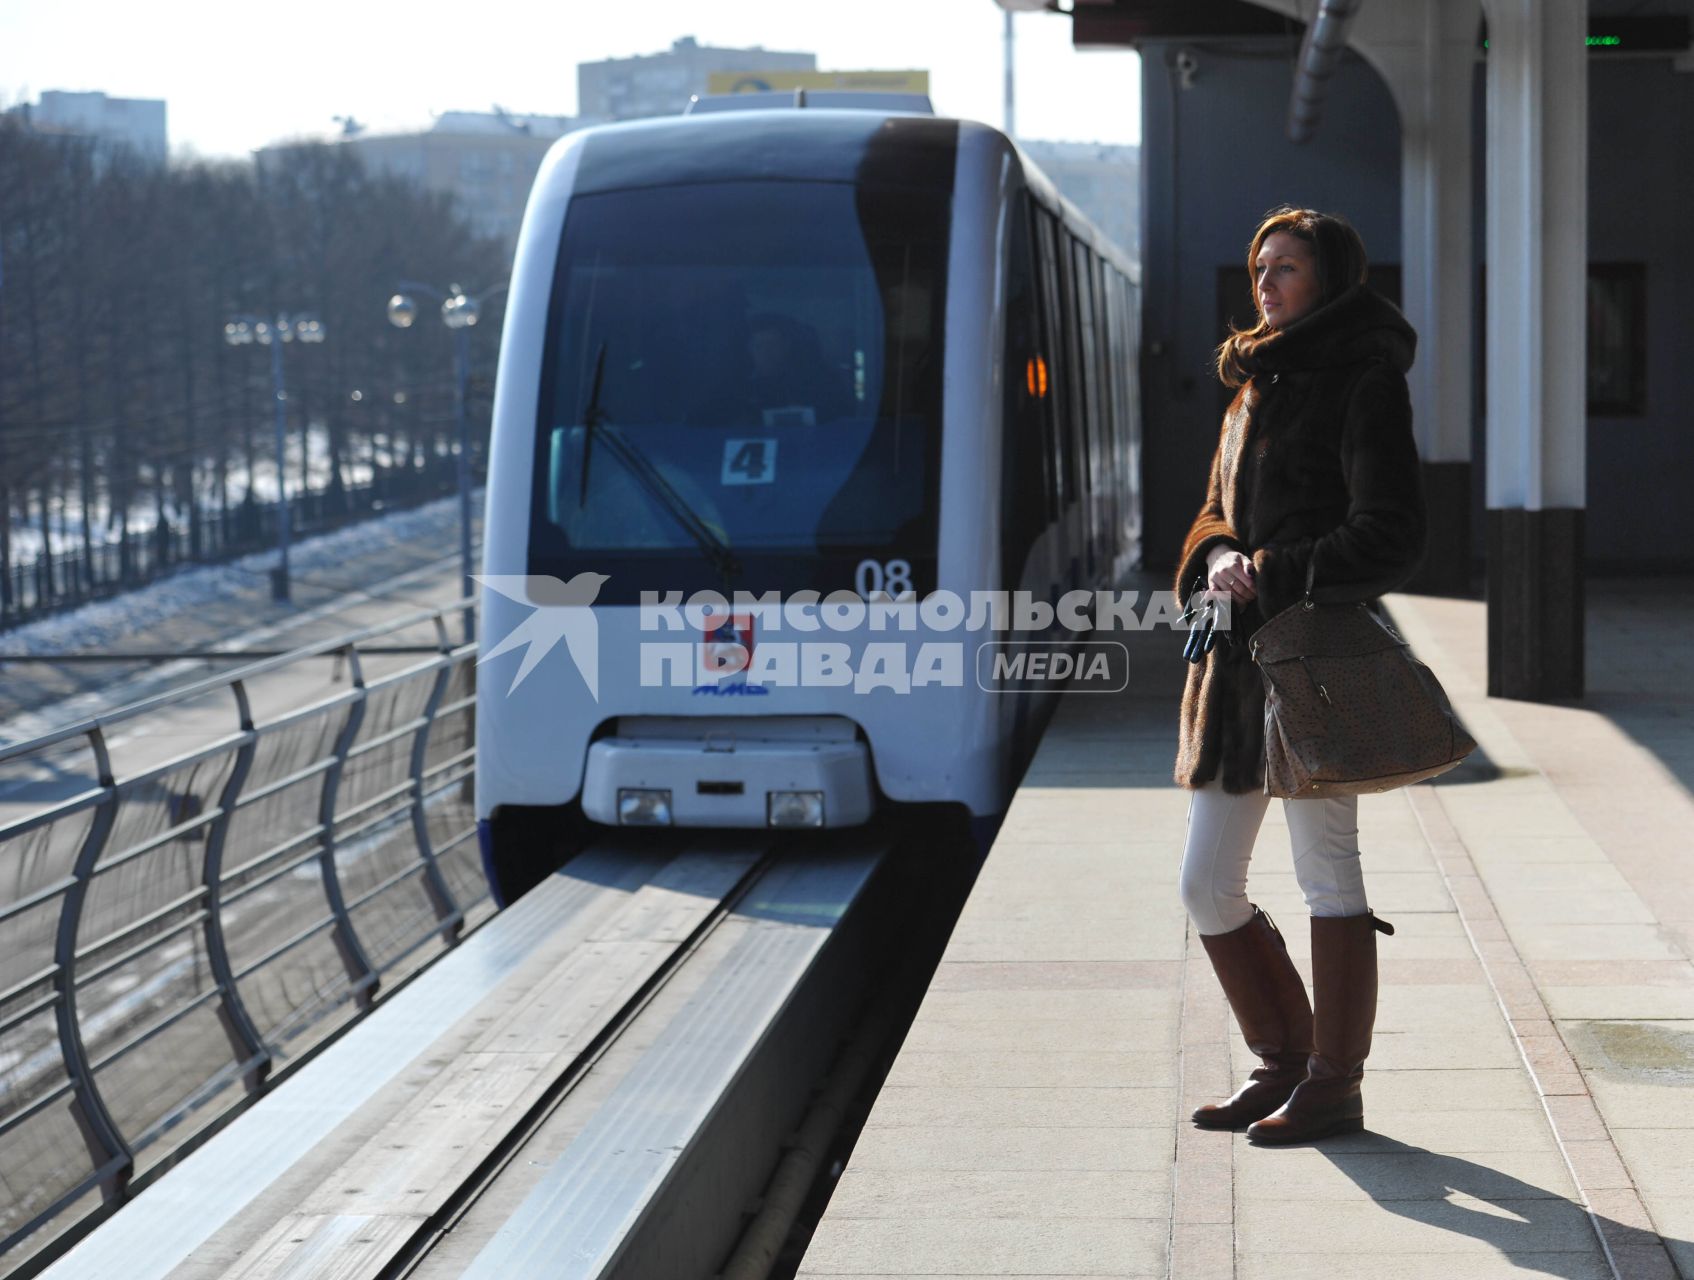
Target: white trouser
x=1221, y=831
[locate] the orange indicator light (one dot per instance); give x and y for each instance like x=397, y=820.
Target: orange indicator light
x=1036, y=377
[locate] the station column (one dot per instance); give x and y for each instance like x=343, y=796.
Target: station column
x=1427, y=55
x=1537, y=255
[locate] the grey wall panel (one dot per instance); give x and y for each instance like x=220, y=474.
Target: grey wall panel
x=1640, y=205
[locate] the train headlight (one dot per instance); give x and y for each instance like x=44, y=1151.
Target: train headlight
x=794, y=808
x=644, y=807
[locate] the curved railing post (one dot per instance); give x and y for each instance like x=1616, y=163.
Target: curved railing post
x=106, y=1145
x=360, y=971
x=435, y=884
x=250, y=1048
x=105, y=1140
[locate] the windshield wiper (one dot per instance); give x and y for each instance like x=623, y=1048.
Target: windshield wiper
x=592, y=415
x=711, y=544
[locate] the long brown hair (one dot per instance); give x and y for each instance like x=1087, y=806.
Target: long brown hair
x=1341, y=264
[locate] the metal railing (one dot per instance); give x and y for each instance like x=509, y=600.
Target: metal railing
x=173, y=932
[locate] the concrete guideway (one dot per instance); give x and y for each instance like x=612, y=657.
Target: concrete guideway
x=1536, y=1013
x=595, y=1083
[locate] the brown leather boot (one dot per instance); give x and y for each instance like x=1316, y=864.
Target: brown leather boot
x=1328, y=1100
x=1269, y=1002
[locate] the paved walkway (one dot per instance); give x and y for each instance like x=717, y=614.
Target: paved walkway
x=1527, y=1095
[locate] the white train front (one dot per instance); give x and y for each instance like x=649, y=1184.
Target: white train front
x=781, y=352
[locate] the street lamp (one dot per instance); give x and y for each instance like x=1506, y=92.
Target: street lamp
x=459, y=312
x=241, y=331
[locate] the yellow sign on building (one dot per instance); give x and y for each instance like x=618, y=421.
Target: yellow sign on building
x=788, y=81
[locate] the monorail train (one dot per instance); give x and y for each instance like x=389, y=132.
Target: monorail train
x=786, y=351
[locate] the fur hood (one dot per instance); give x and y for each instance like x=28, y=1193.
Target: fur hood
x=1359, y=325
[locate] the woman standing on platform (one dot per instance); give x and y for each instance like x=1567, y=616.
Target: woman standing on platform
x=1315, y=467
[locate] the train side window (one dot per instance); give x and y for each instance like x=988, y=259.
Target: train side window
x=1076, y=472
x=1026, y=233
x=1059, y=386
x=1024, y=464
x=1112, y=355
x=1124, y=360
x=1132, y=383
x=1108, y=403
x=1088, y=354
x=1112, y=367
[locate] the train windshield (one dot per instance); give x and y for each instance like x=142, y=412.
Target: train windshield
x=742, y=388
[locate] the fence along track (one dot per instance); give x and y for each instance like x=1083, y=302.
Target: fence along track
x=174, y=934
x=72, y=576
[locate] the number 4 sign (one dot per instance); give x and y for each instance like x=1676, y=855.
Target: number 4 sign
x=749, y=461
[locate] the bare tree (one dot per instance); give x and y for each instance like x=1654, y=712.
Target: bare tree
x=128, y=431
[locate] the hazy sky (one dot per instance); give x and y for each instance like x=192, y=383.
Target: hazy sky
x=238, y=75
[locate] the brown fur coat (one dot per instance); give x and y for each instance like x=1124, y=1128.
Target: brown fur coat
x=1315, y=463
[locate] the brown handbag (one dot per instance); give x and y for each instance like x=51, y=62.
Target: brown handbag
x=1348, y=709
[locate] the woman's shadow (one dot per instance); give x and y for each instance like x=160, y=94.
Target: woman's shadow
x=1534, y=1228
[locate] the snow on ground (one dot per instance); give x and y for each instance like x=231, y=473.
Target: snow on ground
x=354, y=577
x=66, y=521
x=126, y=619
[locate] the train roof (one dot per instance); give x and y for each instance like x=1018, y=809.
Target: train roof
x=816, y=145
x=785, y=144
